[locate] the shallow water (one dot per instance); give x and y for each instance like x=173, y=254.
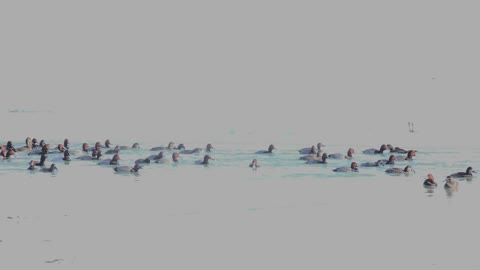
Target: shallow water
x=285, y=215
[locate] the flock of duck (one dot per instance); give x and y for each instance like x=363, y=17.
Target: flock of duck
x=311, y=155
x=316, y=155
x=43, y=149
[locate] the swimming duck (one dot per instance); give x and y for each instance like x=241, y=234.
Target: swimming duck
x=353, y=168
x=467, y=173
x=269, y=151
x=372, y=151
x=349, y=155
x=128, y=169
x=399, y=171
x=206, y=158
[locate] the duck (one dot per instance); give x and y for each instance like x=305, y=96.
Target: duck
x=32, y=165
x=192, y=151
x=390, y=161
x=175, y=158
x=134, y=146
x=398, y=171
x=114, y=161
x=450, y=183
x=205, y=160
x=373, y=151
x=52, y=168
x=408, y=157
x=269, y=151
x=28, y=146
x=312, y=150
x=254, y=164
x=156, y=157
x=396, y=149
x=353, y=168
x=323, y=160
x=115, y=150
x=142, y=161
x=349, y=155
x=169, y=147
x=128, y=169
x=180, y=146
x=430, y=181
x=467, y=173
x=378, y=163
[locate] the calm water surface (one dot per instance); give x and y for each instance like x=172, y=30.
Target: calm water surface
x=285, y=215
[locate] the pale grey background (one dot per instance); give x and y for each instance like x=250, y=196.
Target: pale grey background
x=305, y=66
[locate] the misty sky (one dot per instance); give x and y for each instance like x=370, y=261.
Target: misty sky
x=323, y=67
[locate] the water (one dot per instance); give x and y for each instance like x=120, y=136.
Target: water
x=285, y=215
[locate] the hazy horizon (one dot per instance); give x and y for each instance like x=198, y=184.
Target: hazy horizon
x=345, y=72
